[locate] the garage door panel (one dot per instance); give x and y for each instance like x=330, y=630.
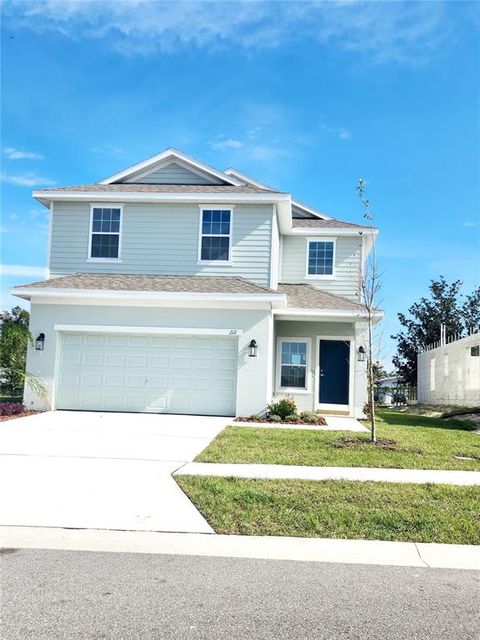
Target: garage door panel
x=176, y=374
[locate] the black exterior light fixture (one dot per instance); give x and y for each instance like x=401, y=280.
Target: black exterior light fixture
x=39, y=342
x=361, y=354
x=252, y=349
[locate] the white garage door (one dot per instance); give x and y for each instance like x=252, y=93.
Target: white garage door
x=159, y=374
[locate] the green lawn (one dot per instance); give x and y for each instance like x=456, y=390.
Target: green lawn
x=338, y=509
x=409, y=441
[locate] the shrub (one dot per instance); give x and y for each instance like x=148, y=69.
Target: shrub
x=254, y=418
x=11, y=408
x=293, y=417
x=274, y=418
x=283, y=408
x=309, y=417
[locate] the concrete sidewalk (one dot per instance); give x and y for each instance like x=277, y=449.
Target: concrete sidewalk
x=370, y=552
x=291, y=472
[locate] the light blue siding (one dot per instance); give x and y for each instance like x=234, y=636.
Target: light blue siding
x=162, y=239
x=173, y=173
x=347, y=265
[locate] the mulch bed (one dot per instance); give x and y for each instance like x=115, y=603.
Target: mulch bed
x=23, y=414
x=321, y=421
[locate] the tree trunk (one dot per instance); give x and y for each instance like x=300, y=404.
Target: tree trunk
x=371, y=386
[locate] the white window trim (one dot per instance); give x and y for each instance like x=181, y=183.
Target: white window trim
x=105, y=205
x=351, y=372
x=321, y=276
x=292, y=390
x=216, y=207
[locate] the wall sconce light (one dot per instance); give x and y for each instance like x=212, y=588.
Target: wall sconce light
x=361, y=354
x=252, y=349
x=39, y=342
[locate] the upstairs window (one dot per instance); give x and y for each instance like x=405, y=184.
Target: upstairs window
x=215, y=235
x=105, y=233
x=320, y=258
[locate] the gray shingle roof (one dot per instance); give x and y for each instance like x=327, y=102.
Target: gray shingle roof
x=160, y=188
x=304, y=296
x=132, y=282
x=325, y=224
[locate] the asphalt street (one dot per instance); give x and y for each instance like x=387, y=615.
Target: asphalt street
x=53, y=595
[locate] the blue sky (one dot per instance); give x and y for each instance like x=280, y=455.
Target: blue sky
x=306, y=96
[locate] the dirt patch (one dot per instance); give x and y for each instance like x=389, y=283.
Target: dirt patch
x=347, y=442
x=352, y=442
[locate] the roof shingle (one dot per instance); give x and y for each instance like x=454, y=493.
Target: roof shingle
x=153, y=283
x=325, y=224
x=160, y=188
x=304, y=296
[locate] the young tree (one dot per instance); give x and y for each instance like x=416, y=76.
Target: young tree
x=444, y=306
x=370, y=286
x=14, y=339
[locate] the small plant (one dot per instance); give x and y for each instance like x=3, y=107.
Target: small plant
x=283, y=408
x=274, y=418
x=292, y=418
x=11, y=408
x=309, y=417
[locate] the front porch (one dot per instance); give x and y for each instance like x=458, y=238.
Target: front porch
x=320, y=364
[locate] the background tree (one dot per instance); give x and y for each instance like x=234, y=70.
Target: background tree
x=370, y=285
x=422, y=328
x=471, y=311
x=14, y=339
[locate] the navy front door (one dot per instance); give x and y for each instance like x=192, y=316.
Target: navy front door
x=334, y=358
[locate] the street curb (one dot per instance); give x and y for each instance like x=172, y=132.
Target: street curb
x=367, y=552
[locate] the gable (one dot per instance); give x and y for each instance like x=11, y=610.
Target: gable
x=172, y=173
x=171, y=167
x=299, y=213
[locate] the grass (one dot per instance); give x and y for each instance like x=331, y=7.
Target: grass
x=410, y=442
x=338, y=509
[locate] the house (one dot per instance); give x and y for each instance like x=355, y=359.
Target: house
x=448, y=373
x=176, y=287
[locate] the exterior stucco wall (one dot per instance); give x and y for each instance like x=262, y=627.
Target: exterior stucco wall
x=254, y=374
x=450, y=374
x=306, y=401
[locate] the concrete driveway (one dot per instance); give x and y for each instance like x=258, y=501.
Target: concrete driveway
x=101, y=470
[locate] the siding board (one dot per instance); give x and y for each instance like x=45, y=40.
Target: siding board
x=347, y=265
x=162, y=239
x=173, y=173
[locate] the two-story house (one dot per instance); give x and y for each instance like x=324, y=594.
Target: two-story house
x=176, y=287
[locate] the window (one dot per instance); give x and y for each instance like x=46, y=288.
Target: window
x=292, y=363
x=215, y=235
x=105, y=233
x=475, y=351
x=320, y=257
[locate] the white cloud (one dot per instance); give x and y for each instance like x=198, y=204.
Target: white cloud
x=16, y=154
x=385, y=31
x=344, y=134
x=228, y=143
x=108, y=150
x=27, y=180
x=22, y=270
x=470, y=224
x=340, y=132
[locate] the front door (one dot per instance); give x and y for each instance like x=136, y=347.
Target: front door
x=334, y=371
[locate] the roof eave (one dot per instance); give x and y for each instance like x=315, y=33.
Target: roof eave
x=45, y=197
x=27, y=293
